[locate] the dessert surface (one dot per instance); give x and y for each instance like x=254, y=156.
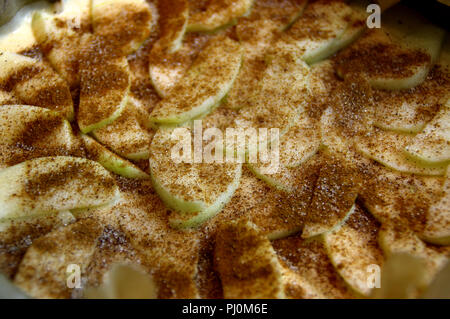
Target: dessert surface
x=100, y=199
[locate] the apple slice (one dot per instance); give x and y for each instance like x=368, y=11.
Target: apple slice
x=255, y=37
x=396, y=238
x=105, y=86
x=28, y=132
x=123, y=24
x=166, y=69
x=172, y=258
x=44, y=269
x=216, y=14
x=111, y=161
x=16, y=235
x=353, y=248
x=126, y=136
x=278, y=213
x=52, y=184
x=321, y=24
x=412, y=40
x=173, y=20
x=33, y=82
x=297, y=146
x=173, y=180
x=210, y=78
x=432, y=145
x=334, y=196
x=63, y=35
x=282, y=93
x=247, y=264
x=437, y=227
x=388, y=148
x=308, y=271
x=17, y=35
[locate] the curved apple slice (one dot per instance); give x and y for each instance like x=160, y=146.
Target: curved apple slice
x=217, y=13
x=437, y=226
x=279, y=214
x=28, y=132
x=173, y=19
x=17, y=35
x=63, y=35
x=334, y=196
x=166, y=69
x=396, y=238
x=111, y=161
x=123, y=24
x=32, y=82
x=297, y=146
x=388, y=148
x=281, y=94
x=189, y=188
x=309, y=273
x=353, y=248
x=315, y=32
x=74, y=244
x=247, y=264
x=413, y=41
x=105, y=86
x=16, y=235
x=210, y=78
x=255, y=37
x=51, y=184
x=432, y=145
x=126, y=136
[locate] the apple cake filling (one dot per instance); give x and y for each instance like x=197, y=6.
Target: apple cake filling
x=93, y=203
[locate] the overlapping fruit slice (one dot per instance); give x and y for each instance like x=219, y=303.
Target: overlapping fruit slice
x=247, y=263
x=195, y=190
x=169, y=254
x=126, y=135
x=388, y=148
x=437, y=227
x=49, y=258
x=319, y=38
x=111, y=161
x=334, y=196
x=281, y=94
x=205, y=83
x=28, y=132
x=213, y=14
x=432, y=145
x=62, y=35
x=25, y=80
x=17, y=35
x=122, y=25
x=173, y=19
x=105, y=85
x=353, y=249
x=16, y=235
x=297, y=146
x=52, y=184
x=413, y=41
x=308, y=272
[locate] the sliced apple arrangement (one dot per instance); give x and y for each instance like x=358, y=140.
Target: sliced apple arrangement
x=363, y=160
